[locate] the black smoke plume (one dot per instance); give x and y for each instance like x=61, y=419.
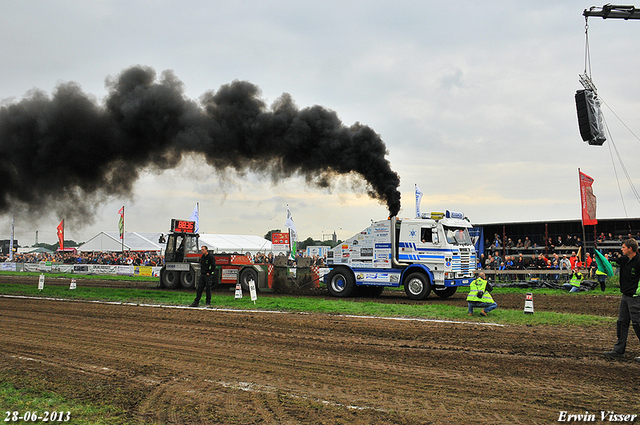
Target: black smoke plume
x=64, y=153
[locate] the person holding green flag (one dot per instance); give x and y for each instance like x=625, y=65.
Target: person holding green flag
x=629, y=310
x=602, y=271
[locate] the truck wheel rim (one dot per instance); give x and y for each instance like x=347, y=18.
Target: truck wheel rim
x=415, y=286
x=338, y=283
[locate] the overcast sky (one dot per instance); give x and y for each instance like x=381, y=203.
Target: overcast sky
x=474, y=100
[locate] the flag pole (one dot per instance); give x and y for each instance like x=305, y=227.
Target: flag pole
x=289, y=229
x=122, y=238
x=12, y=238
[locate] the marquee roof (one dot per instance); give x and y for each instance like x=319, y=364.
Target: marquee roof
x=235, y=243
x=134, y=241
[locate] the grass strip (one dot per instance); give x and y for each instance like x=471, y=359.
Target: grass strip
x=351, y=306
x=32, y=404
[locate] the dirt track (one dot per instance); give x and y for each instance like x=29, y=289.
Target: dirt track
x=168, y=365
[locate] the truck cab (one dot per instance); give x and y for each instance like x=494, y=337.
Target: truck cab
x=442, y=244
x=181, y=256
x=432, y=252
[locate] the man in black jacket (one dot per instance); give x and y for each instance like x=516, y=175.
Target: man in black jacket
x=629, y=310
x=207, y=270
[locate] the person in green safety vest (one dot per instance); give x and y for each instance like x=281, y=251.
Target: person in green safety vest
x=574, y=284
x=479, y=295
x=601, y=275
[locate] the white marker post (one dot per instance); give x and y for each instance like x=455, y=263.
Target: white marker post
x=72, y=285
x=41, y=282
x=252, y=290
x=528, y=303
x=238, y=291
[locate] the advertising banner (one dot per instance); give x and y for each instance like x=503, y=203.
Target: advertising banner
x=280, y=242
x=8, y=267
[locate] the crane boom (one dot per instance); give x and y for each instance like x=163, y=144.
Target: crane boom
x=613, y=11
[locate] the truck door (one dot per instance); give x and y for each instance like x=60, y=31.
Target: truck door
x=170, y=250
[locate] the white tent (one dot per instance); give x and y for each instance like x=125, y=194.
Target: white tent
x=133, y=241
x=240, y=244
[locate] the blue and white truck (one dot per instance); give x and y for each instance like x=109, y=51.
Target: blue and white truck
x=432, y=252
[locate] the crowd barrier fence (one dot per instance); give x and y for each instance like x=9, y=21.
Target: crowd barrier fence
x=89, y=269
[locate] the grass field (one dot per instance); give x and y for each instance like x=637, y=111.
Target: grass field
x=314, y=304
x=39, y=399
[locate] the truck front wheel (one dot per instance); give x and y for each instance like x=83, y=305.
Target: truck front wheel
x=417, y=286
x=170, y=279
x=340, y=283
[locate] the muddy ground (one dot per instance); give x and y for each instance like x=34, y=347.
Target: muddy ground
x=183, y=366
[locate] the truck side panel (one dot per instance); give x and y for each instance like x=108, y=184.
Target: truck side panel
x=377, y=277
x=371, y=248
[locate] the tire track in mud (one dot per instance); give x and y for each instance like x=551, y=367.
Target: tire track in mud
x=310, y=367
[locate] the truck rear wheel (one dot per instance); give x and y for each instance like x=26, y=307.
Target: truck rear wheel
x=170, y=279
x=340, y=283
x=446, y=292
x=188, y=279
x=246, y=275
x=417, y=286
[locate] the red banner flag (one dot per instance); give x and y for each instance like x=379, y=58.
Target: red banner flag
x=587, y=200
x=61, y=234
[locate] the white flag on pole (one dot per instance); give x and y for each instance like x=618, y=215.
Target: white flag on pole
x=418, y=199
x=294, y=234
x=195, y=216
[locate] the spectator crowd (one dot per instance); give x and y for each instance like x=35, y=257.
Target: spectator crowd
x=103, y=258
x=133, y=258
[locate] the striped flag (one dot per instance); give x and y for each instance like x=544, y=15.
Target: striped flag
x=121, y=222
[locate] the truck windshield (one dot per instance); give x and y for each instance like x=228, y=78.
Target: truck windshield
x=191, y=243
x=457, y=235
